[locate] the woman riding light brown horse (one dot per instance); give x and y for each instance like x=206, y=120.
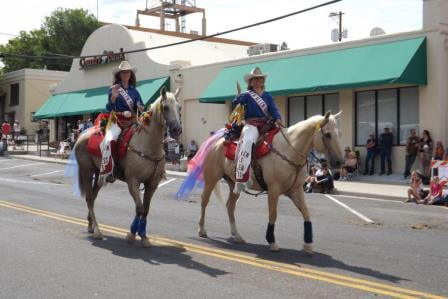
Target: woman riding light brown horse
x=144, y=163
x=283, y=171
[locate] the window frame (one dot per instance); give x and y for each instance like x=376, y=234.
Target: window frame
x=16, y=101
x=398, y=99
x=305, y=103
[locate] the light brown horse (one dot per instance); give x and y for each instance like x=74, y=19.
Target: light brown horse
x=283, y=171
x=144, y=163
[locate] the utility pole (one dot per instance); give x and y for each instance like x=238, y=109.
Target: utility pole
x=337, y=17
x=340, y=25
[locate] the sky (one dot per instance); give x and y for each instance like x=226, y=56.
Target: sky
x=300, y=31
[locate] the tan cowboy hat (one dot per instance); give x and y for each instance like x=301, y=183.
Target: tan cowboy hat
x=255, y=73
x=124, y=66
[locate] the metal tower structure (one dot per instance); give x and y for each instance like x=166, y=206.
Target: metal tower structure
x=172, y=9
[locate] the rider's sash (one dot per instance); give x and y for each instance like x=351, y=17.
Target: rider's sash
x=260, y=102
x=127, y=98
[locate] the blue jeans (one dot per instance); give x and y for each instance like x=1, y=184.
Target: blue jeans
x=410, y=159
x=370, y=158
x=386, y=154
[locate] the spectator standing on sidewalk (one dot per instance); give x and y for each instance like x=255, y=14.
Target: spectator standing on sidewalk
x=6, y=128
x=425, y=152
x=371, y=152
x=385, y=144
x=412, y=147
x=16, y=129
x=440, y=151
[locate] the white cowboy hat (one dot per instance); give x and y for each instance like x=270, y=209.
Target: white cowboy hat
x=124, y=66
x=255, y=73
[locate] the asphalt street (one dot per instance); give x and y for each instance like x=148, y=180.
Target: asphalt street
x=364, y=248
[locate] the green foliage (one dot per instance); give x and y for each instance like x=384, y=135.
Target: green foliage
x=63, y=32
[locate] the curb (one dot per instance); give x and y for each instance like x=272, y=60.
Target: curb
x=181, y=175
x=370, y=195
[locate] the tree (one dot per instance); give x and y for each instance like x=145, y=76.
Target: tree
x=63, y=32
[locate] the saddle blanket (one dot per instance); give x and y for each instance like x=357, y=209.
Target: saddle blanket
x=119, y=148
x=262, y=148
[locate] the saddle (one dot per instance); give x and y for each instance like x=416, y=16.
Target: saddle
x=262, y=147
x=119, y=147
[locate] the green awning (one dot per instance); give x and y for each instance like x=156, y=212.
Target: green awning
x=386, y=63
x=94, y=100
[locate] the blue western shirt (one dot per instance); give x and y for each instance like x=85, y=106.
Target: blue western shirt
x=120, y=103
x=251, y=107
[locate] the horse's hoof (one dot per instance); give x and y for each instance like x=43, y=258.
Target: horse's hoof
x=308, y=248
x=145, y=243
x=97, y=235
x=202, y=234
x=237, y=239
x=90, y=230
x=130, y=237
x=274, y=247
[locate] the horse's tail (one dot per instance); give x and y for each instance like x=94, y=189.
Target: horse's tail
x=72, y=170
x=196, y=166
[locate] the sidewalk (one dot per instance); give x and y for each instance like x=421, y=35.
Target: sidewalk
x=382, y=187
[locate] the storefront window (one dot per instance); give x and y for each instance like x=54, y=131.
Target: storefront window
x=296, y=110
x=395, y=108
x=365, y=116
x=331, y=103
x=313, y=105
x=408, y=112
x=387, y=111
x=308, y=106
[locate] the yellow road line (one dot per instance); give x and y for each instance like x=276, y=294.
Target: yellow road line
x=291, y=269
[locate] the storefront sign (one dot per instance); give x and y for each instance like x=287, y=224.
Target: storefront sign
x=109, y=57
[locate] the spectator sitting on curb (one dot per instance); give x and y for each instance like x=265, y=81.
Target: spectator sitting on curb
x=323, y=181
x=350, y=164
x=435, y=195
x=416, y=193
x=308, y=186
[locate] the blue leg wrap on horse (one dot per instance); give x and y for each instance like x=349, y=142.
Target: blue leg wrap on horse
x=142, y=228
x=134, y=225
x=270, y=233
x=308, y=237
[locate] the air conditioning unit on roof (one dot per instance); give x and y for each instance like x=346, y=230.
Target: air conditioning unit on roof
x=261, y=49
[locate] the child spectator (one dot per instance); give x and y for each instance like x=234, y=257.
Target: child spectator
x=440, y=151
x=435, y=195
x=416, y=192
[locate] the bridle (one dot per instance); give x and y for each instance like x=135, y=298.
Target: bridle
x=298, y=167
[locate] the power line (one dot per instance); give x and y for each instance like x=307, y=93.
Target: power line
x=177, y=43
x=3, y=33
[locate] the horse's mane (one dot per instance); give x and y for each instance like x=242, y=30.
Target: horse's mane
x=302, y=125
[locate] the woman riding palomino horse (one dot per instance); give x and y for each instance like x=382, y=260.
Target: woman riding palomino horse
x=283, y=171
x=259, y=109
x=125, y=101
x=143, y=163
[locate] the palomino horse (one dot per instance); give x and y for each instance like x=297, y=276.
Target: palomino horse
x=283, y=171
x=143, y=163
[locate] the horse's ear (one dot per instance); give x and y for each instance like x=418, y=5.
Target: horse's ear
x=163, y=93
x=338, y=115
x=238, y=88
x=325, y=120
x=176, y=94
